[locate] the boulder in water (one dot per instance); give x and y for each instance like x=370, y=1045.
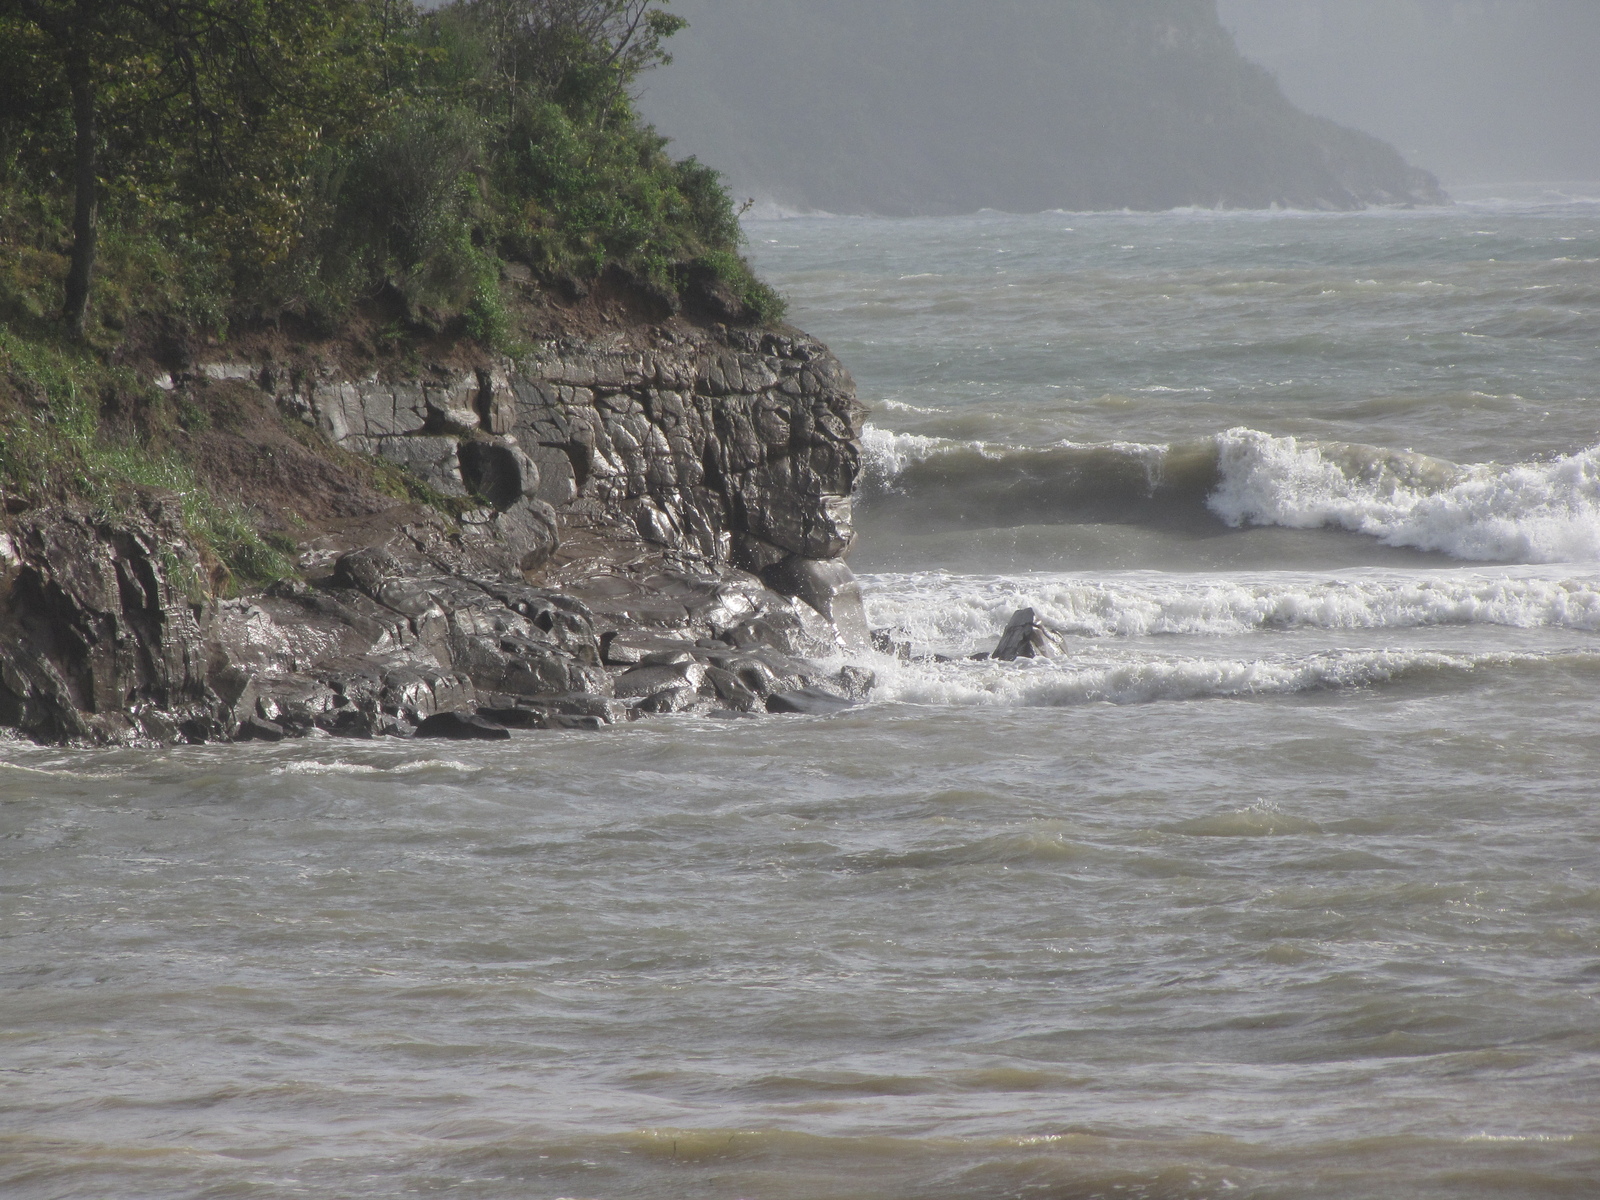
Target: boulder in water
x=462, y=727
x=808, y=702
x=1027, y=637
x=256, y=729
x=830, y=588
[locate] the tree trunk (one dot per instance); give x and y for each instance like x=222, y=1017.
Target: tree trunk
x=86, y=184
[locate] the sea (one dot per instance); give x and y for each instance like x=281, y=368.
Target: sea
x=1281, y=881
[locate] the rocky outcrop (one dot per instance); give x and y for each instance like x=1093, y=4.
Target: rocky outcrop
x=1025, y=636
x=742, y=448
x=637, y=528
x=100, y=639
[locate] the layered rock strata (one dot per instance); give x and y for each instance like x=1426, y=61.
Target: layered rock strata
x=642, y=527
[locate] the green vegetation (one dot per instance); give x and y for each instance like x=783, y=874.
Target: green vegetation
x=53, y=448
x=218, y=160
x=187, y=169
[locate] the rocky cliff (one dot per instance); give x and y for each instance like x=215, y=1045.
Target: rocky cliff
x=649, y=521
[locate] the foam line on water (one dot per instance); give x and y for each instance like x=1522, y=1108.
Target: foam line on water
x=1131, y=678
x=959, y=612
x=341, y=767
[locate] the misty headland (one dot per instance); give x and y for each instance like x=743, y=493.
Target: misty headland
x=903, y=107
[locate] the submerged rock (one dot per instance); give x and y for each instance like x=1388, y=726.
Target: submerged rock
x=1027, y=637
x=462, y=727
x=808, y=702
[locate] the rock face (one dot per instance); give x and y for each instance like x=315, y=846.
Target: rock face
x=743, y=448
x=99, y=640
x=702, y=479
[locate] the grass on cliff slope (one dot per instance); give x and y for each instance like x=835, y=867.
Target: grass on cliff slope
x=76, y=431
x=53, y=449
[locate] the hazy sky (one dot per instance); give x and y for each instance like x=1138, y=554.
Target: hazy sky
x=1477, y=91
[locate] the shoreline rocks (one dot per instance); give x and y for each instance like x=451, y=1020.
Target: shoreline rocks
x=660, y=528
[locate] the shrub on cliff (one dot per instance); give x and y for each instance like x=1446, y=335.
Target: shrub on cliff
x=227, y=159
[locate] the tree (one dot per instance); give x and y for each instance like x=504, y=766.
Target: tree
x=540, y=45
x=226, y=98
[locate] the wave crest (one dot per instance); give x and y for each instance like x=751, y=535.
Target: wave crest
x=1532, y=512
x=961, y=612
x=1141, y=679
x=1545, y=512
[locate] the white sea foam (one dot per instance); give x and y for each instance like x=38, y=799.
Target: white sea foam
x=1128, y=678
x=340, y=767
x=1542, y=512
x=885, y=453
x=959, y=612
x=902, y=406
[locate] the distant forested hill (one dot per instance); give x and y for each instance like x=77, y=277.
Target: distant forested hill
x=937, y=106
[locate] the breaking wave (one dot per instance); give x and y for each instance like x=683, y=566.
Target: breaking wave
x=1544, y=512
x=1531, y=512
x=1130, y=678
x=960, y=611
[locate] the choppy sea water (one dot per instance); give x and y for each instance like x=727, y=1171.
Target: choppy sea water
x=1283, y=882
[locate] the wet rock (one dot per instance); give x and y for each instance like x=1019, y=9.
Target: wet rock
x=350, y=722
x=298, y=703
x=733, y=691
x=855, y=682
x=366, y=570
x=514, y=715
x=669, y=658
x=781, y=631
x=572, y=724
x=1026, y=637
x=462, y=727
x=648, y=680
x=894, y=643
x=256, y=729
x=519, y=666
x=767, y=671
x=669, y=700
x=830, y=588
x=542, y=712
x=98, y=631
x=808, y=702
x=601, y=708
x=391, y=726
x=630, y=648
